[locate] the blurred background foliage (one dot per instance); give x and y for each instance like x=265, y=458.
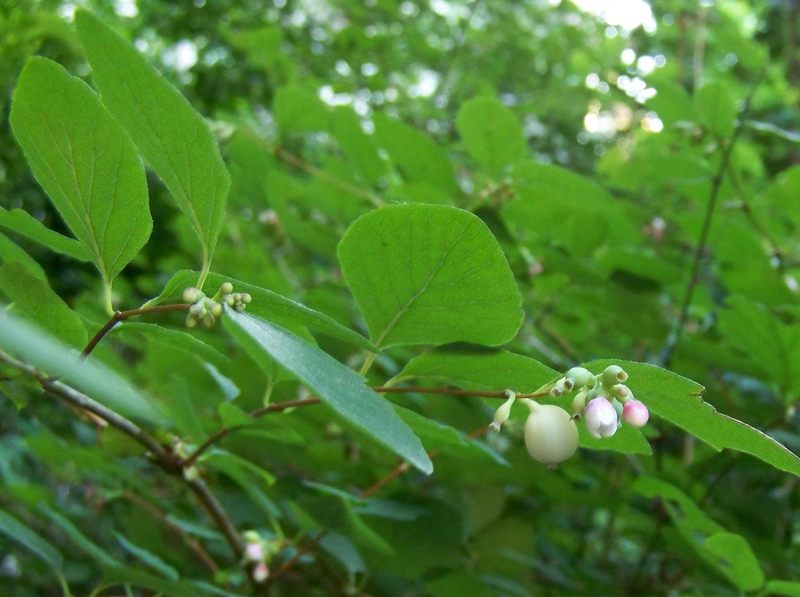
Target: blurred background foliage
x=328, y=108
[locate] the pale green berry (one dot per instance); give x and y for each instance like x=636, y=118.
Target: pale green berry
x=550, y=434
x=226, y=288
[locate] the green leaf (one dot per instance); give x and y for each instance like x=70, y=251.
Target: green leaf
x=360, y=148
x=21, y=222
x=474, y=368
x=415, y=154
x=448, y=440
x=11, y=253
x=716, y=108
x=147, y=557
x=491, y=133
x=785, y=588
x=338, y=386
x=84, y=161
x=298, y=110
x=35, y=300
x=430, y=274
x=49, y=356
x=173, y=138
x=678, y=400
x=139, y=578
x=728, y=553
x=270, y=306
x=80, y=540
x=19, y=532
x=736, y=559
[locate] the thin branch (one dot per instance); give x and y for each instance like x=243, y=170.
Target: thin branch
x=716, y=185
x=165, y=458
x=290, y=563
x=403, y=467
x=217, y=514
x=120, y=316
x=190, y=541
x=259, y=412
x=222, y=432
x=83, y=402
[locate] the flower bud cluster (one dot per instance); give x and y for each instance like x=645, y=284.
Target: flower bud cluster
x=259, y=551
x=603, y=400
x=206, y=310
x=551, y=435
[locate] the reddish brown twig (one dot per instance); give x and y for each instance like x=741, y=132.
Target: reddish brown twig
x=403, y=467
x=190, y=541
x=120, y=316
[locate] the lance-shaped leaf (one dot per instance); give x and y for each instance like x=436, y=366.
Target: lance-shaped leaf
x=173, y=138
x=21, y=222
x=338, y=386
x=84, y=161
x=34, y=299
x=679, y=401
x=48, y=355
x=430, y=274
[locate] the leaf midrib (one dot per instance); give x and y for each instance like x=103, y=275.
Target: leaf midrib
x=426, y=285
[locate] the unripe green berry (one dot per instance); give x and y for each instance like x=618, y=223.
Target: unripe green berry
x=246, y=298
x=216, y=310
x=226, y=288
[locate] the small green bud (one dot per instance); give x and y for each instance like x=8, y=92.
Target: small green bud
x=579, y=402
x=613, y=375
x=580, y=377
x=216, y=310
x=191, y=295
x=501, y=414
x=226, y=288
x=208, y=321
x=246, y=298
x=621, y=392
x=191, y=321
x=190, y=473
x=230, y=300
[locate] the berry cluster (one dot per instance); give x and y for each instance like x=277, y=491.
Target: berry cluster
x=551, y=435
x=205, y=310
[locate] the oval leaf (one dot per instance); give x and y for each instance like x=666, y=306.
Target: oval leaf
x=84, y=161
x=173, y=138
x=338, y=386
x=430, y=274
x=491, y=133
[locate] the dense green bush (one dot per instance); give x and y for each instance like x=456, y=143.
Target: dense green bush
x=279, y=282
